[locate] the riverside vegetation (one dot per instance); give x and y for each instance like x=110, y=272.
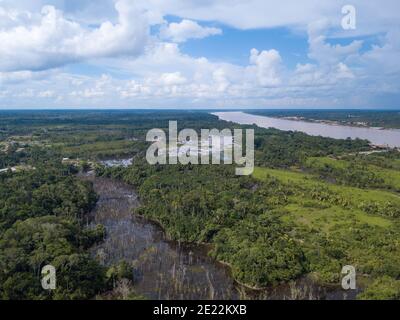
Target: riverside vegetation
x=389, y=119
x=312, y=205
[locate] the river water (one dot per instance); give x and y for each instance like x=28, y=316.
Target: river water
x=163, y=269
x=381, y=137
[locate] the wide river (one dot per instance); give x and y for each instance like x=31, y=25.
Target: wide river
x=381, y=137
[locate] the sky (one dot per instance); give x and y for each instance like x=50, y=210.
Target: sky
x=188, y=54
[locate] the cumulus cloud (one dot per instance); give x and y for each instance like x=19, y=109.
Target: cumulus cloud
x=187, y=29
x=375, y=16
x=46, y=94
x=51, y=40
x=98, y=89
x=325, y=53
x=174, y=78
x=221, y=80
x=250, y=14
x=267, y=64
x=9, y=78
x=384, y=57
x=243, y=14
x=141, y=69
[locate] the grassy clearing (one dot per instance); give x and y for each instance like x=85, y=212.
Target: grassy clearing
x=282, y=175
x=391, y=177
x=326, y=219
x=352, y=194
x=307, y=211
x=334, y=235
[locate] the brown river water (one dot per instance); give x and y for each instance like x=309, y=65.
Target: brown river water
x=163, y=269
x=377, y=136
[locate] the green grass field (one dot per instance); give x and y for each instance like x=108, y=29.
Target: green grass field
x=333, y=235
x=323, y=215
x=390, y=176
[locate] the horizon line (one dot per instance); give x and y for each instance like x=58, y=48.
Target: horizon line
x=196, y=109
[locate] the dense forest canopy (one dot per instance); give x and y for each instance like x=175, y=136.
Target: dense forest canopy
x=312, y=205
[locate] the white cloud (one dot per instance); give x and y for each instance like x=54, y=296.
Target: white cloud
x=324, y=52
x=94, y=90
x=373, y=16
x=164, y=77
x=267, y=64
x=344, y=72
x=384, y=58
x=174, y=78
x=23, y=76
x=112, y=37
x=243, y=14
x=52, y=40
x=12, y=77
x=46, y=94
x=220, y=79
x=187, y=29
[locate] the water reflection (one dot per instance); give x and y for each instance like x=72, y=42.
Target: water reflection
x=161, y=269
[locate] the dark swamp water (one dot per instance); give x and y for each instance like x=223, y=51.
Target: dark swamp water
x=163, y=269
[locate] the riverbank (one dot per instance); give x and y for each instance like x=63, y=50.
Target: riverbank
x=378, y=119
x=386, y=138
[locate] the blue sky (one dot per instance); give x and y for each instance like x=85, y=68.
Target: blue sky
x=234, y=45
x=198, y=54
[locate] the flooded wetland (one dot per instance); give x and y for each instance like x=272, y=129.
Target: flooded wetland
x=164, y=269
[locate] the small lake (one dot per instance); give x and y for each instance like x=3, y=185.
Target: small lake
x=381, y=137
